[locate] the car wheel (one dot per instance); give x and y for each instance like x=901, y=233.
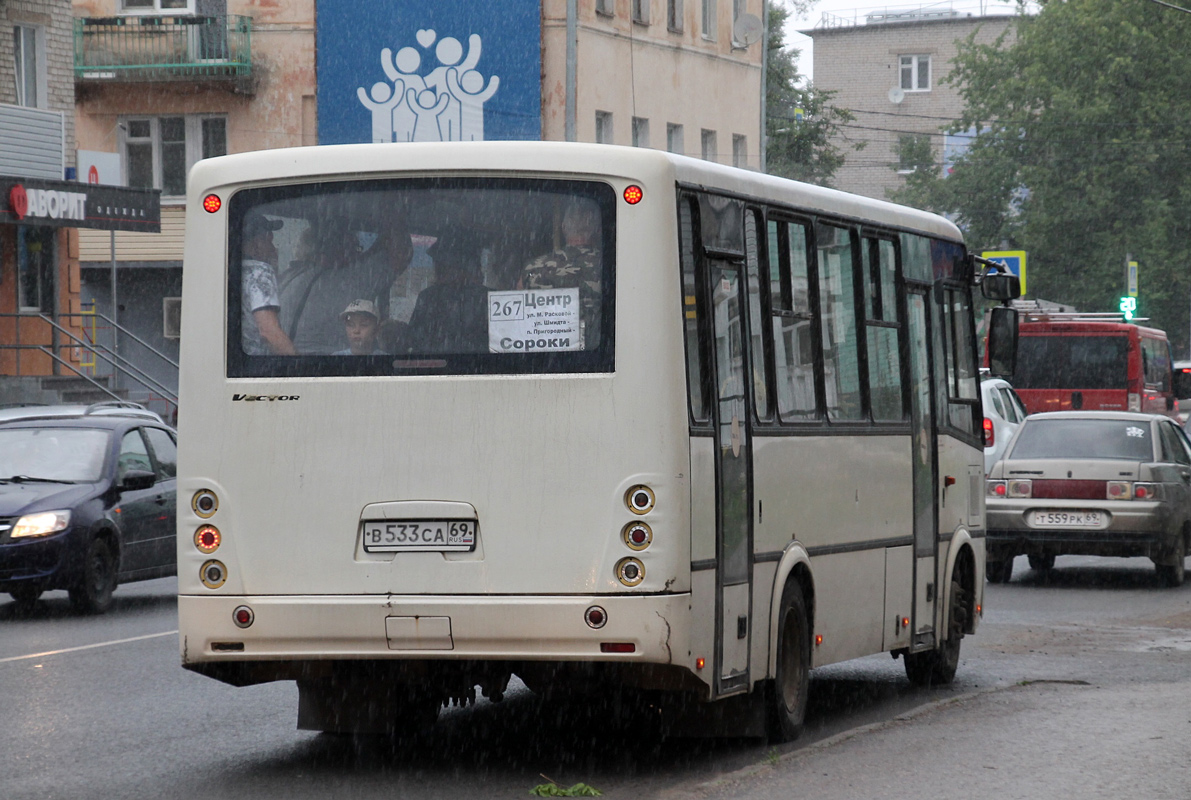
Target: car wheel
x=1172, y=575
x=1043, y=562
x=787, y=692
x=25, y=596
x=998, y=571
x=92, y=594
x=938, y=666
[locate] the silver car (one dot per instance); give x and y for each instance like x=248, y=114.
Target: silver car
x=1003, y=413
x=1103, y=483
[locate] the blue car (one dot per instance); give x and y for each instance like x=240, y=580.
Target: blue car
x=87, y=502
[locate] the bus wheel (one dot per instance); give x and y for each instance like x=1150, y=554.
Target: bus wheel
x=938, y=666
x=92, y=593
x=787, y=692
x=1174, y=573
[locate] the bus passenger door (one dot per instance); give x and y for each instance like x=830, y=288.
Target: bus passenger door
x=733, y=500
x=925, y=470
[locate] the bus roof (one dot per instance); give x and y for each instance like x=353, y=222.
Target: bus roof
x=360, y=160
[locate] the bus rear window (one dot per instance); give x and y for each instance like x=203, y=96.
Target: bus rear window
x=1072, y=362
x=438, y=276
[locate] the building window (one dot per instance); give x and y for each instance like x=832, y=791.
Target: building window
x=740, y=150
x=603, y=127
x=159, y=151
x=674, y=138
x=604, y=7
x=640, y=10
x=157, y=6
x=640, y=132
x=707, y=141
x=29, y=56
x=36, y=264
x=709, y=20
x=739, y=8
x=674, y=15
x=915, y=73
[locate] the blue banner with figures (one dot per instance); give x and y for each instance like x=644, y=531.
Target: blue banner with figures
x=428, y=70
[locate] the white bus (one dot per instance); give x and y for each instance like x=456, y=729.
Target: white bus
x=609, y=417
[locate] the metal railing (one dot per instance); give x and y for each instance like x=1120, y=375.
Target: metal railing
x=117, y=362
x=150, y=48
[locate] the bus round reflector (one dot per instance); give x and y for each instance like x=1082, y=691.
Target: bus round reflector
x=213, y=574
x=243, y=616
x=633, y=194
x=207, y=539
x=212, y=203
x=596, y=617
x=205, y=503
x=637, y=535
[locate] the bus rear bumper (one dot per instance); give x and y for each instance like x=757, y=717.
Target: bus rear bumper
x=637, y=628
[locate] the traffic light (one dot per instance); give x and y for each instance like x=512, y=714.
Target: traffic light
x=1128, y=307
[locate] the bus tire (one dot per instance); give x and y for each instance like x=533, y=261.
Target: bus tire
x=788, y=691
x=938, y=666
x=92, y=591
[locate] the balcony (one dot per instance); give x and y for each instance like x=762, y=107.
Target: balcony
x=163, y=49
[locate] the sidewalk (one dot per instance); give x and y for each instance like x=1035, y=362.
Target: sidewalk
x=1035, y=741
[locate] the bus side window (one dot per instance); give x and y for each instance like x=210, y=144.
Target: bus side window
x=696, y=385
x=793, y=321
x=759, y=351
x=882, y=327
x=837, y=308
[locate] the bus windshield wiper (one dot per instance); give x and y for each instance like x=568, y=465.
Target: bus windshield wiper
x=30, y=479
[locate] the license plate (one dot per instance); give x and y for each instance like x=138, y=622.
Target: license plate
x=407, y=535
x=1068, y=519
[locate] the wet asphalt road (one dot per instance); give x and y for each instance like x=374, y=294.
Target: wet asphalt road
x=99, y=708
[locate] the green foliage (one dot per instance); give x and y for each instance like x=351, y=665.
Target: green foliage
x=799, y=120
x=552, y=789
x=1083, y=154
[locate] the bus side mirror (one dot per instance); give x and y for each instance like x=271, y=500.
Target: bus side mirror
x=1001, y=286
x=1002, y=340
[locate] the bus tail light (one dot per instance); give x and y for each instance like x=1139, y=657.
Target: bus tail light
x=1134, y=401
x=207, y=539
x=205, y=503
x=243, y=616
x=637, y=535
x=990, y=434
x=639, y=499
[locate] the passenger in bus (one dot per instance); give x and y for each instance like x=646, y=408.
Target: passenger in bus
x=349, y=260
x=579, y=264
x=451, y=314
x=260, y=327
x=361, y=325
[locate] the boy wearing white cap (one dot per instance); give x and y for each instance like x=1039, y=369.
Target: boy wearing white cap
x=361, y=323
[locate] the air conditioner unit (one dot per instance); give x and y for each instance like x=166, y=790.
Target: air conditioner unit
x=171, y=317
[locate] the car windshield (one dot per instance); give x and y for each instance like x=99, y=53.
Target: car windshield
x=1084, y=438
x=58, y=454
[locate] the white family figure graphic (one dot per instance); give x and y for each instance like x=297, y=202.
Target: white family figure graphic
x=446, y=105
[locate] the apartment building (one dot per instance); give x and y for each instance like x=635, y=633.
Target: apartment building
x=888, y=69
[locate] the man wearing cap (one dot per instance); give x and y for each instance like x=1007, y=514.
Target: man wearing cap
x=361, y=323
x=260, y=326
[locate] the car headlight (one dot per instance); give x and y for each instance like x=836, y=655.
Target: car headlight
x=42, y=524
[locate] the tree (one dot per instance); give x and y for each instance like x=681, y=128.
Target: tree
x=799, y=120
x=1083, y=154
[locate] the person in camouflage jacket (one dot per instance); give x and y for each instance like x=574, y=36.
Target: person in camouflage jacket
x=579, y=264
